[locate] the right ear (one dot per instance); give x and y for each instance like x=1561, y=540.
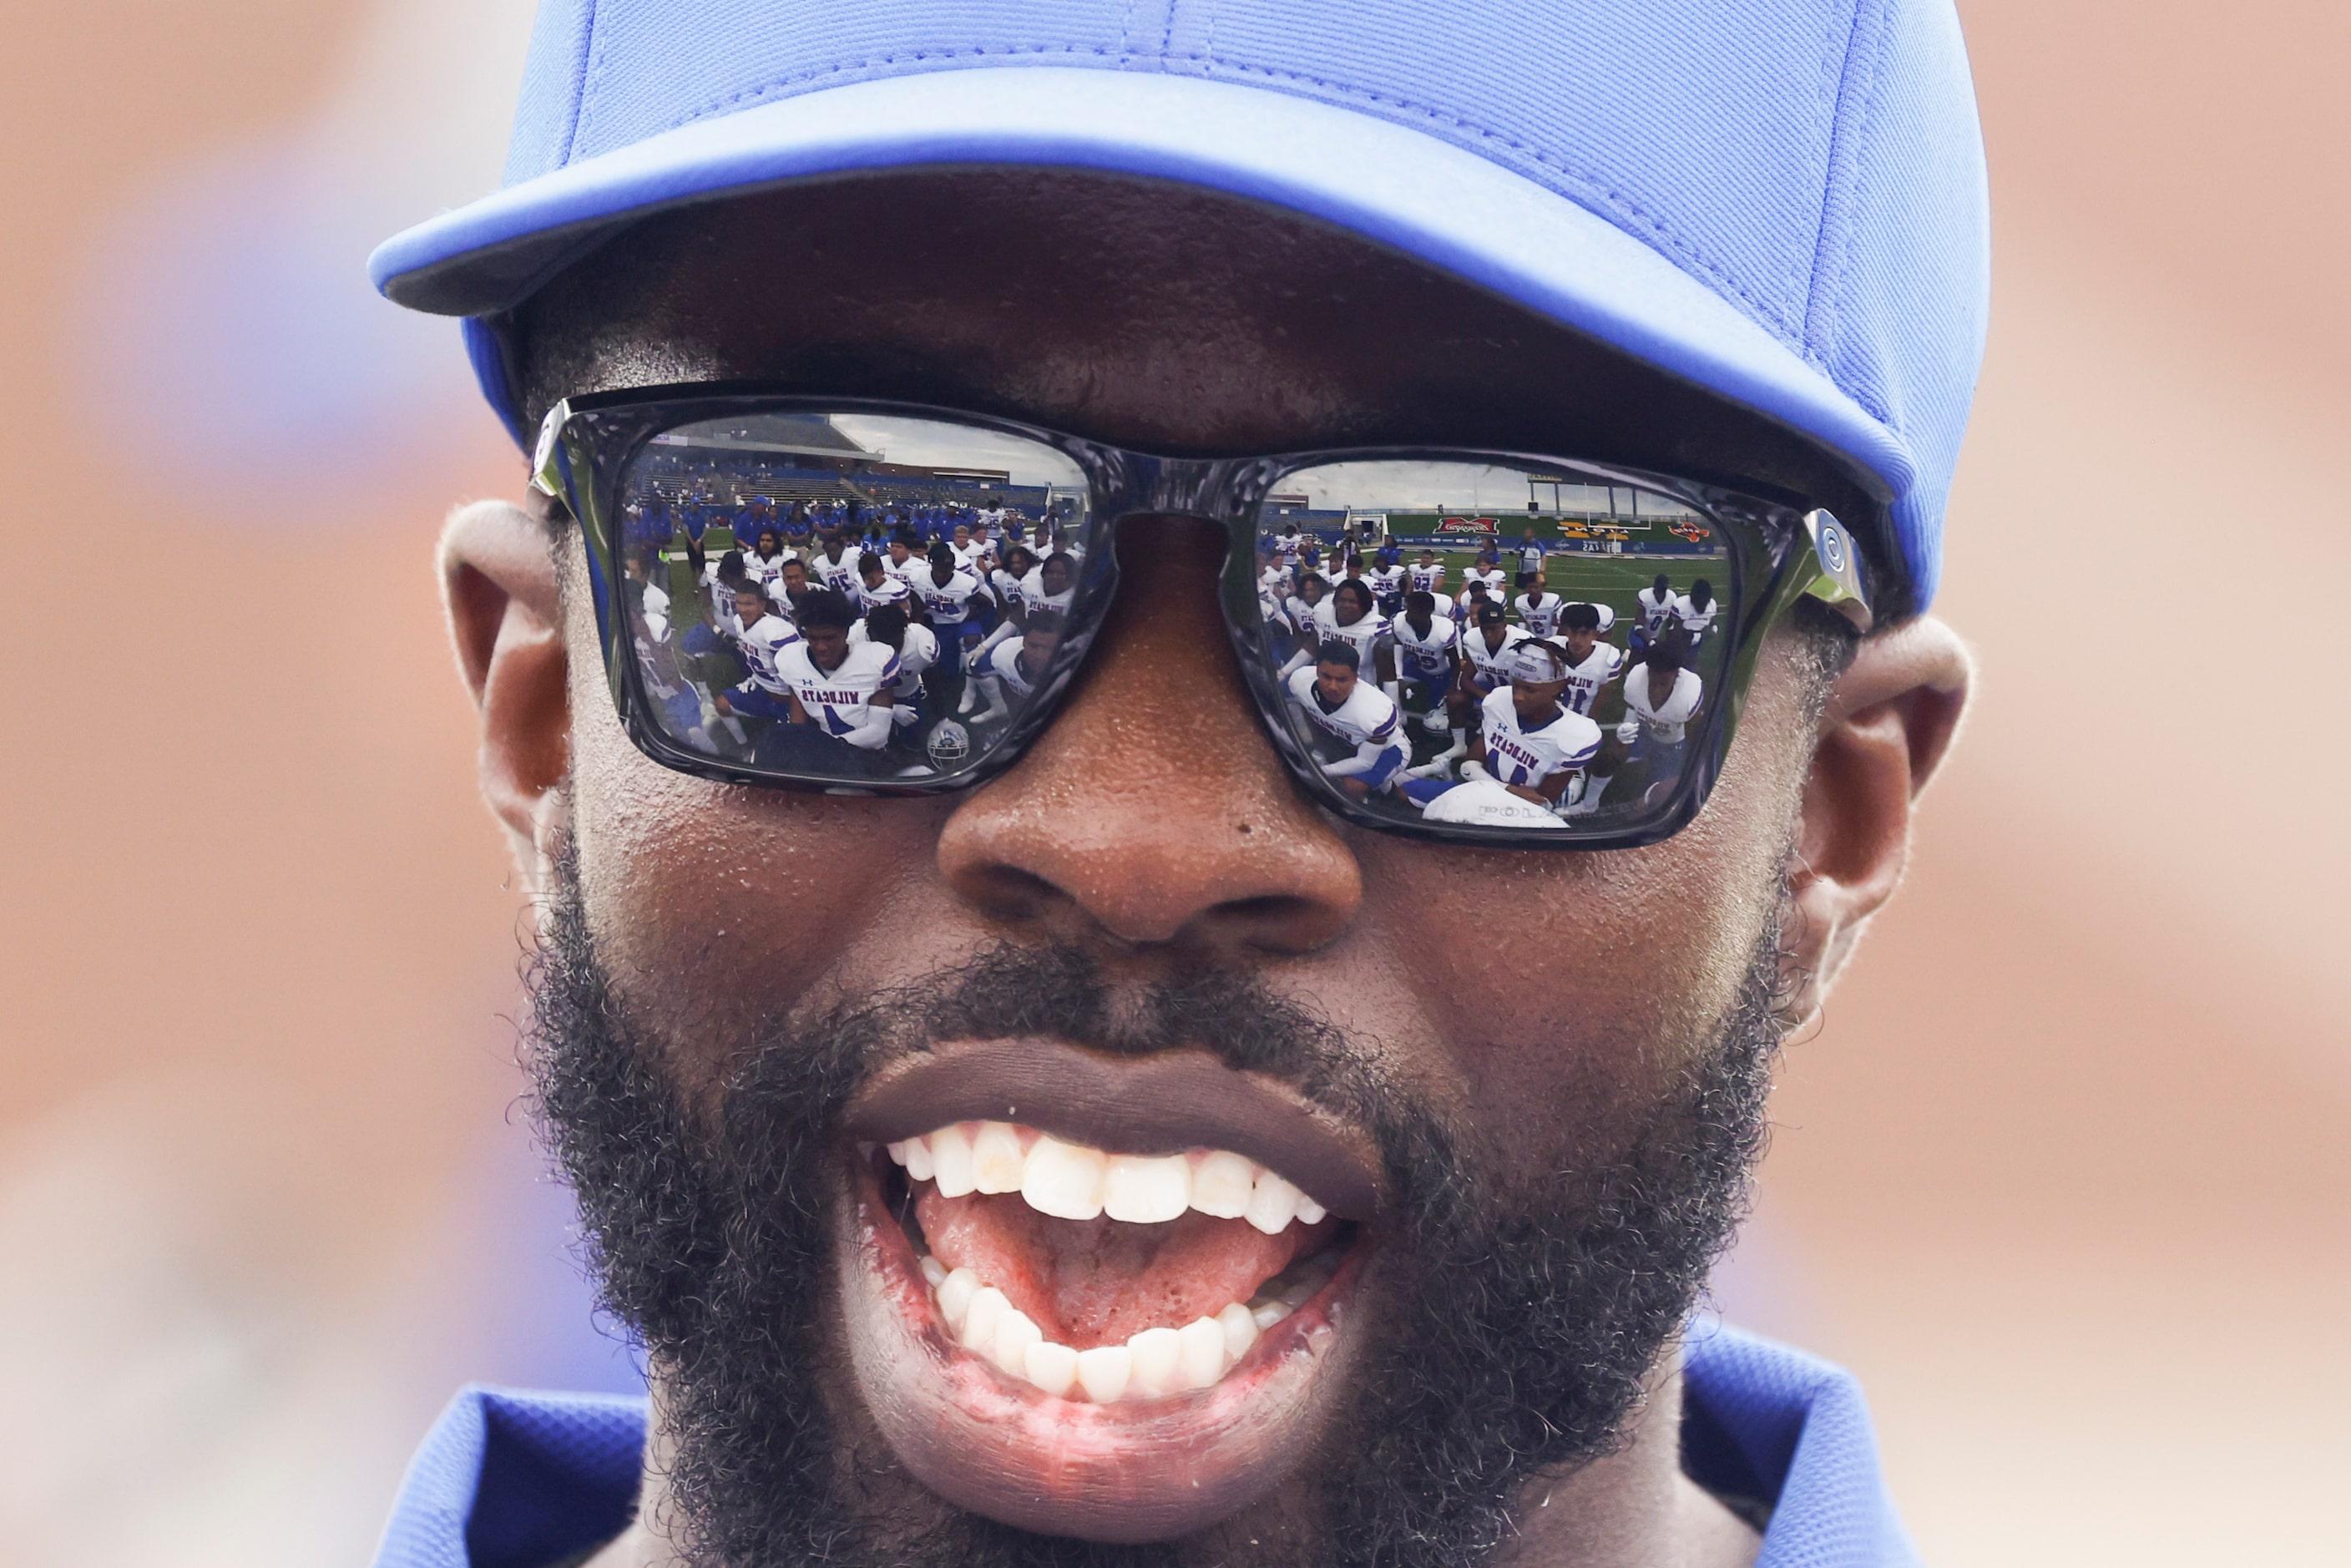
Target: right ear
x=505, y=617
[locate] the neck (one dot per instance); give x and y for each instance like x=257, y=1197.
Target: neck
x=1631, y=1508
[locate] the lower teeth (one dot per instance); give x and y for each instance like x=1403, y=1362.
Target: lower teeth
x=1156, y=1363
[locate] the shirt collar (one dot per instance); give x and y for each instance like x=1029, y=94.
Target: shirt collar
x=513, y=1479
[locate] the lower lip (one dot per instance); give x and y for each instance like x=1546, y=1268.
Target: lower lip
x=1139, y=1471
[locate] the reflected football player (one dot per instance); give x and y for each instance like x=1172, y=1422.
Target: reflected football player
x=1426, y=575
x=1528, y=741
x=1486, y=650
x=877, y=585
x=1662, y=696
x=840, y=696
x=917, y=647
x=1694, y=613
x=765, y=563
x=1538, y=607
x=1654, y=609
x=1019, y=666
x=1351, y=712
x=759, y=637
x=835, y=565
x=1298, y=610
x=1592, y=662
x=1347, y=616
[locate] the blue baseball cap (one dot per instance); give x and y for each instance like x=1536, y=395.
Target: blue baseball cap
x=1780, y=200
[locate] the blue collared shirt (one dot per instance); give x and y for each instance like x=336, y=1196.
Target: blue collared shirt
x=513, y=1479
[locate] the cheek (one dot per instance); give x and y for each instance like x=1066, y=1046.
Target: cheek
x=715, y=907
x=1572, y=990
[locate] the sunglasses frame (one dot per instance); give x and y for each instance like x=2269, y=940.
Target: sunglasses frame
x=588, y=444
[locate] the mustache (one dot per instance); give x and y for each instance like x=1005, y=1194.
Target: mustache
x=805, y=1066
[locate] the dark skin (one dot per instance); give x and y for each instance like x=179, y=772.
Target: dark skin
x=1173, y=321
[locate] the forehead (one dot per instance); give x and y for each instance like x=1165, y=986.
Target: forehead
x=1144, y=313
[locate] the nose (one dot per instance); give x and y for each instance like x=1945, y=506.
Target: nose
x=1153, y=810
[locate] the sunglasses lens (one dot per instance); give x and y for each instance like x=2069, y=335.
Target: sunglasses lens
x=1493, y=646
x=851, y=599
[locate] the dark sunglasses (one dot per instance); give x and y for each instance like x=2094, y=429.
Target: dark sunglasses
x=873, y=598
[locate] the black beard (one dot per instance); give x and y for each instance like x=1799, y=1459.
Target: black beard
x=1527, y=1315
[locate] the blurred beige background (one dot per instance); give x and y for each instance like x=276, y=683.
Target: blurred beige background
x=2061, y=1175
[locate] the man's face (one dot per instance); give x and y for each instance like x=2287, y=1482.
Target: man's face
x=795, y=576
x=1579, y=642
x=1055, y=577
x=1535, y=700
x=749, y=607
x=1037, y=647
x=1336, y=683
x=828, y=645
x=1143, y=939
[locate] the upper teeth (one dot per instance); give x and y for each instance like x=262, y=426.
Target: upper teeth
x=1070, y=1181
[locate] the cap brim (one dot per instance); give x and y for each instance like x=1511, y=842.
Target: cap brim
x=1387, y=182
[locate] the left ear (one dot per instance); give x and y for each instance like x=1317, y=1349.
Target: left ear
x=1890, y=721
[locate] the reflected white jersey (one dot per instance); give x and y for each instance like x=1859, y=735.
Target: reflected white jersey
x=1654, y=608
x=1033, y=594
x=1011, y=592
x=1607, y=616
x=1693, y=620
x=1004, y=664
x=1364, y=635
x=917, y=652
x=1517, y=753
x=1600, y=666
x=655, y=605
x=1539, y=613
x=840, y=576
x=761, y=643
x=1367, y=718
x=766, y=571
x=1426, y=655
x=1488, y=661
x=1665, y=721
x=949, y=603
x=840, y=700
x=887, y=590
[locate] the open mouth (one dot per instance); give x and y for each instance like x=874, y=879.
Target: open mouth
x=1102, y=1298
x=1106, y=1277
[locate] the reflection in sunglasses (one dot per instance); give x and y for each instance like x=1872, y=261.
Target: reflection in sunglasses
x=861, y=598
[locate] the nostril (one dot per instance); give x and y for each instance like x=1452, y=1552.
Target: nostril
x=1009, y=891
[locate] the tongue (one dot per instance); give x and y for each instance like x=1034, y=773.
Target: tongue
x=1098, y=1281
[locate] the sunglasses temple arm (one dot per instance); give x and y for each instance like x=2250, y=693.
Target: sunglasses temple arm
x=1828, y=569
x=546, y=463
